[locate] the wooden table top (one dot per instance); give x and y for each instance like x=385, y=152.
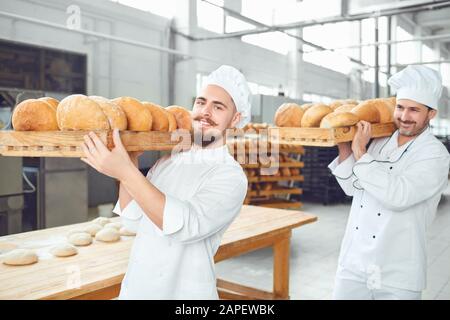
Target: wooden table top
x=101, y=265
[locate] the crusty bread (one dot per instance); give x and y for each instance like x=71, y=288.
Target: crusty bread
x=160, y=120
x=139, y=117
x=314, y=115
x=384, y=109
x=34, y=115
x=337, y=103
x=289, y=115
x=339, y=119
x=78, y=112
x=182, y=116
x=171, y=120
x=367, y=111
x=344, y=108
x=306, y=106
x=392, y=103
x=51, y=101
x=117, y=119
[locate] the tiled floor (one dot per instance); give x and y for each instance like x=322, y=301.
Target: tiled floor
x=315, y=250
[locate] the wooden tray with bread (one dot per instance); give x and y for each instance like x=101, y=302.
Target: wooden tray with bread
x=45, y=127
x=327, y=125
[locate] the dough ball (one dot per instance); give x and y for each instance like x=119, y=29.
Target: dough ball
x=125, y=232
x=64, y=250
x=114, y=225
x=20, y=257
x=101, y=221
x=34, y=115
x=93, y=228
x=108, y=235
x=80, y=239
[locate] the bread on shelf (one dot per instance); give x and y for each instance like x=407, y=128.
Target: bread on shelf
x=289, y=115
x=182, y=117
x=34, y=115
x=138, y=116
x=314, y=115
x=339, y=119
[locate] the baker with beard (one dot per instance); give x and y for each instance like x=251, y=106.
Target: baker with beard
x=396, y=184
x=183, y=206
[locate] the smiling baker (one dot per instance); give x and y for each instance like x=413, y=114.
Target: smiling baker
x=183, y=207
x=396, y=186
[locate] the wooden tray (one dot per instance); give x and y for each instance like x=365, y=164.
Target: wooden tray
x=324, y=137
x=68, y=143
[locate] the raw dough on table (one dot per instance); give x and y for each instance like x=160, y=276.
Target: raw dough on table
x=93, y=228
x=20, y=257
x=108, y=235
x=64, y=250
x=115, y=225
x=125, y=232
x=101, y=220
x=80, y=239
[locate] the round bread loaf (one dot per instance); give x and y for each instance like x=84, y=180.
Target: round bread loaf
x=117, y=119
x=384, y=108
x=139, y=117
x=78, y=112
x=51, y=101
x=289, y=115
x=338, y=103
x=344, y=108
x=182, y=116
x=34, y=115
x=306, y=106
x=314, y=115
x=367, y=111
x=171, y=119
x=392, y=103
x=160, y=121
x=339, y=119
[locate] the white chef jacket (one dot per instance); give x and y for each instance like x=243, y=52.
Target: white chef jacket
x=205, y=190
x=389, y=216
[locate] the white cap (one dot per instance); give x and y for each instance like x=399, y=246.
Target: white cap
x=233, y=82
x=418, y=83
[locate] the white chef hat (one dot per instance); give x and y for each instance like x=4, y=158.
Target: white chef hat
x=418, y=83
x=233, y=82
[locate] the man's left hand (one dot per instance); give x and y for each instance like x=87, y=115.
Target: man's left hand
x=361, y=139
x=115, y=163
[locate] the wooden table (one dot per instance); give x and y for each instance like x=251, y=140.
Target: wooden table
x=97, y=271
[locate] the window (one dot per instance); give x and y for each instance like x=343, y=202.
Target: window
x=332, y=35
x=274, y=41
x=210, y=17
x=161, y=8
x=256, y=88
x=315, y=98
x=406, y=51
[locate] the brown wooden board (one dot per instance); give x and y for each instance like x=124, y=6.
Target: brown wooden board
x=324, y=137
x=68, y=143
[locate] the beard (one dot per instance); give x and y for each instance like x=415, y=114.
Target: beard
x=207, y=137
x=415, y=129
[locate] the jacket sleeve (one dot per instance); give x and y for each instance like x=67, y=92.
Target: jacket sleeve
x=419, y=181
x=213, y=207
x=343, y=173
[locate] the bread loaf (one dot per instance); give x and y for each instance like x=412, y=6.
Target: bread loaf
x=306, y=106
x=139, y=117
x=344, y=108
x=289, y=115
x=339, y=119
x=314, y=115
x=182, y=116
x=160, y=121
x=384, y=109
x=78, y=112
x=337, y=103
x=51, y=101
x=117, y=119
x=367, y=111
x=34, y=115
